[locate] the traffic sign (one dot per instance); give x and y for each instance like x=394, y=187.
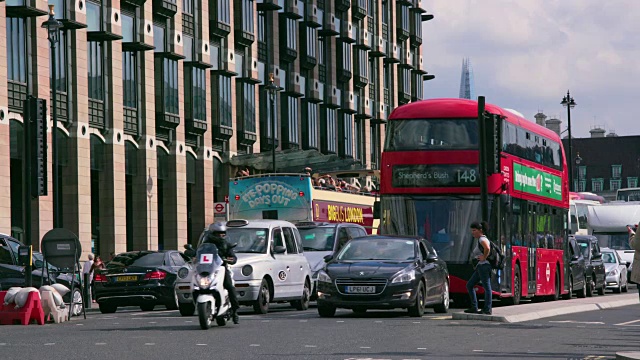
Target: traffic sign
x=226, y=199
x=220, y=207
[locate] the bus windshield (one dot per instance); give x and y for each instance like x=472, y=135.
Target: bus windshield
x=432, y=134
x=443, y=220
x=628, y=194
x=615, y=241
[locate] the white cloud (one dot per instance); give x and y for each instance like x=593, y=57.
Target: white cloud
x=527, y=53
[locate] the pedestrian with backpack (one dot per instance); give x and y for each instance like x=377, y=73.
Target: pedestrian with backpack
x=482, y=269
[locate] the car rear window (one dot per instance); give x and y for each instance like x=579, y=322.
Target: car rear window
x=137, y=259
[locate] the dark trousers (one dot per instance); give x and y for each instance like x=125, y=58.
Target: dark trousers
x=481, y=274
x=228, y=284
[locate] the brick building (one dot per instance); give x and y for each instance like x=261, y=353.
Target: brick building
x=159, y=101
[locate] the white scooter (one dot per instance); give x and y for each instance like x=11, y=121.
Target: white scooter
x=212, y=299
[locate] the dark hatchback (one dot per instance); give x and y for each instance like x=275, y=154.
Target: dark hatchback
x=384, y=272
x=139, y=278
x=594, y=266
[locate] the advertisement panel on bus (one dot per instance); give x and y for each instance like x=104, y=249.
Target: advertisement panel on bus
x=335, y=212
x=273, y=197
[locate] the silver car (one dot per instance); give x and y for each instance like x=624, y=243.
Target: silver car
x=616, y=270
x=271, y=266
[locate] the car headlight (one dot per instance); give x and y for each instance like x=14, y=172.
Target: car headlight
x=204, y=281
x=613, y=272
x=183, y=273
x=404, y=276
x=324, y=277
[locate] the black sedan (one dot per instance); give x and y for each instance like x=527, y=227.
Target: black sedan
x=383, y=272
x=139, y=278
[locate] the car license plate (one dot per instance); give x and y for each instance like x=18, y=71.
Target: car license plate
x=361, y=289
x=126, y=278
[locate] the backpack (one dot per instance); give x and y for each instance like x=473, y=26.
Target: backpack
x=495, y=258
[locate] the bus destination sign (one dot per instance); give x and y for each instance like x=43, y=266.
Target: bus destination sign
x=440, y=175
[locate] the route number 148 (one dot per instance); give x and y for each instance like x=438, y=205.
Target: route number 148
x=467, y=176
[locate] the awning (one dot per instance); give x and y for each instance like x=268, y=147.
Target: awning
x=294, y=161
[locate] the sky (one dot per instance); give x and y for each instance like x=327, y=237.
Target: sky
x=526, y=54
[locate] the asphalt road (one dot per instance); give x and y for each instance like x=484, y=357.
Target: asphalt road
x=285, y=333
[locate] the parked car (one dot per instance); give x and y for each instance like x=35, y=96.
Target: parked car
x=271, y=266
x=616, y=270
x=384, y=272
x=139, y=278
x=594, y=267
x=320, y=239
x=13, y=274
x=577, y=270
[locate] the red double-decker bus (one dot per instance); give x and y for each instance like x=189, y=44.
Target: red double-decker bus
x=430, y=186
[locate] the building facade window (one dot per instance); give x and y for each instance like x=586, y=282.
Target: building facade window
x=16, y=62
x=95, y=59
x=582, y=172
x=374, y=140
x=225, y=104
x=632, y=182
x=358, y=142
x=170, y=86
x=616, y=170
x=246, y=108
x=312, y=39
x=292, y=34
x=262, y=40
x=247, y=16
x=130, y=90
x=614, y=185
x=196, y=103
x=597, y=184
x=329, y=130
x=310, y=126
x=224, y=12
x=345, y=135
x=188, y=30
x=322, y=61
x=290, y=113
x=346, y=56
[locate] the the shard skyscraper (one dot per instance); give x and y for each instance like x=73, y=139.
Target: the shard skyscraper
x=467, y=89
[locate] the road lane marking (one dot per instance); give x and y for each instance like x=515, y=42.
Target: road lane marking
x=578, y=322
x=201, y=344
x=101, y=343
x=378, y=321
x=49, y=344
x=3, y=344
x=149, y=344
x=304, y=320
x=441, y=317
x=628, y=323
x=310, y=346
x=422, y=348
x=254, y=345
x=340, y=321
x=416, y=322
x=79, y=324
x=478, y=350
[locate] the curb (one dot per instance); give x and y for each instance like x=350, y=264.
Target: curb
x=525, y=315
x=628, y=355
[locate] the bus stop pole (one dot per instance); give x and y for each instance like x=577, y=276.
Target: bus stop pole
x=484, y=201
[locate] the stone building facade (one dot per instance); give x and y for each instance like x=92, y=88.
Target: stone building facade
x=159, y=101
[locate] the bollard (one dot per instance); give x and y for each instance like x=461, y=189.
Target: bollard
x=86, y=290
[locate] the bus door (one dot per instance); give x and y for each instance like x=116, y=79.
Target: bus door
x=531, y=243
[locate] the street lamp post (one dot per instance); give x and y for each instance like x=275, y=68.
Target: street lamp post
x=578, y=161
x=569, y=103
x=53, y=27
x=273, y=89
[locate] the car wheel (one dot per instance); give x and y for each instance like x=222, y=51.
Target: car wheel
x=601, y=289
x=417, y=309
x=261, y=305
x=187, y=309
x=618, y=290
x=303, y=303
x=76, y=302
x=625, y=288
x=443, y=307
x=147, y=307
x=326, y=310
x=173, y=303
x=569, y=295
x=517, y=289
x=107, y=308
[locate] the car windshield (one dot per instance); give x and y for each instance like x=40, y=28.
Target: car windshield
x=248, y=240
x=382, y=249
x=138, y=258
x=584, y=248
x=609, y=257
x=318, y=238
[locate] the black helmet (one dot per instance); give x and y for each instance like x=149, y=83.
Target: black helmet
x=217, y=228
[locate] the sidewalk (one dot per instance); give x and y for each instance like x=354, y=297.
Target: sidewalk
x=534, y=311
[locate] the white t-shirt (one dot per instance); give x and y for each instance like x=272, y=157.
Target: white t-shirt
x=86, y=268
x=476, y=252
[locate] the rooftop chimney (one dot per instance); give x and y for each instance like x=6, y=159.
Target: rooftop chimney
x=553, y=124
x=597, y=132
x=540, y=117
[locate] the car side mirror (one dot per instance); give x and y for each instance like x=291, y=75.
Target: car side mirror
x=431, y=258
x=279, y=250
x=597, y=256
x=328, y=258
x=625, y=263
x=575, y=258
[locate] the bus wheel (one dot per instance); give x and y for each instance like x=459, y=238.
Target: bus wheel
x=517, y=289
x=556, y=294
x=570, y=294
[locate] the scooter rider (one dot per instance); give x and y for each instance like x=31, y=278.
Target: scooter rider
x=216, y=234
